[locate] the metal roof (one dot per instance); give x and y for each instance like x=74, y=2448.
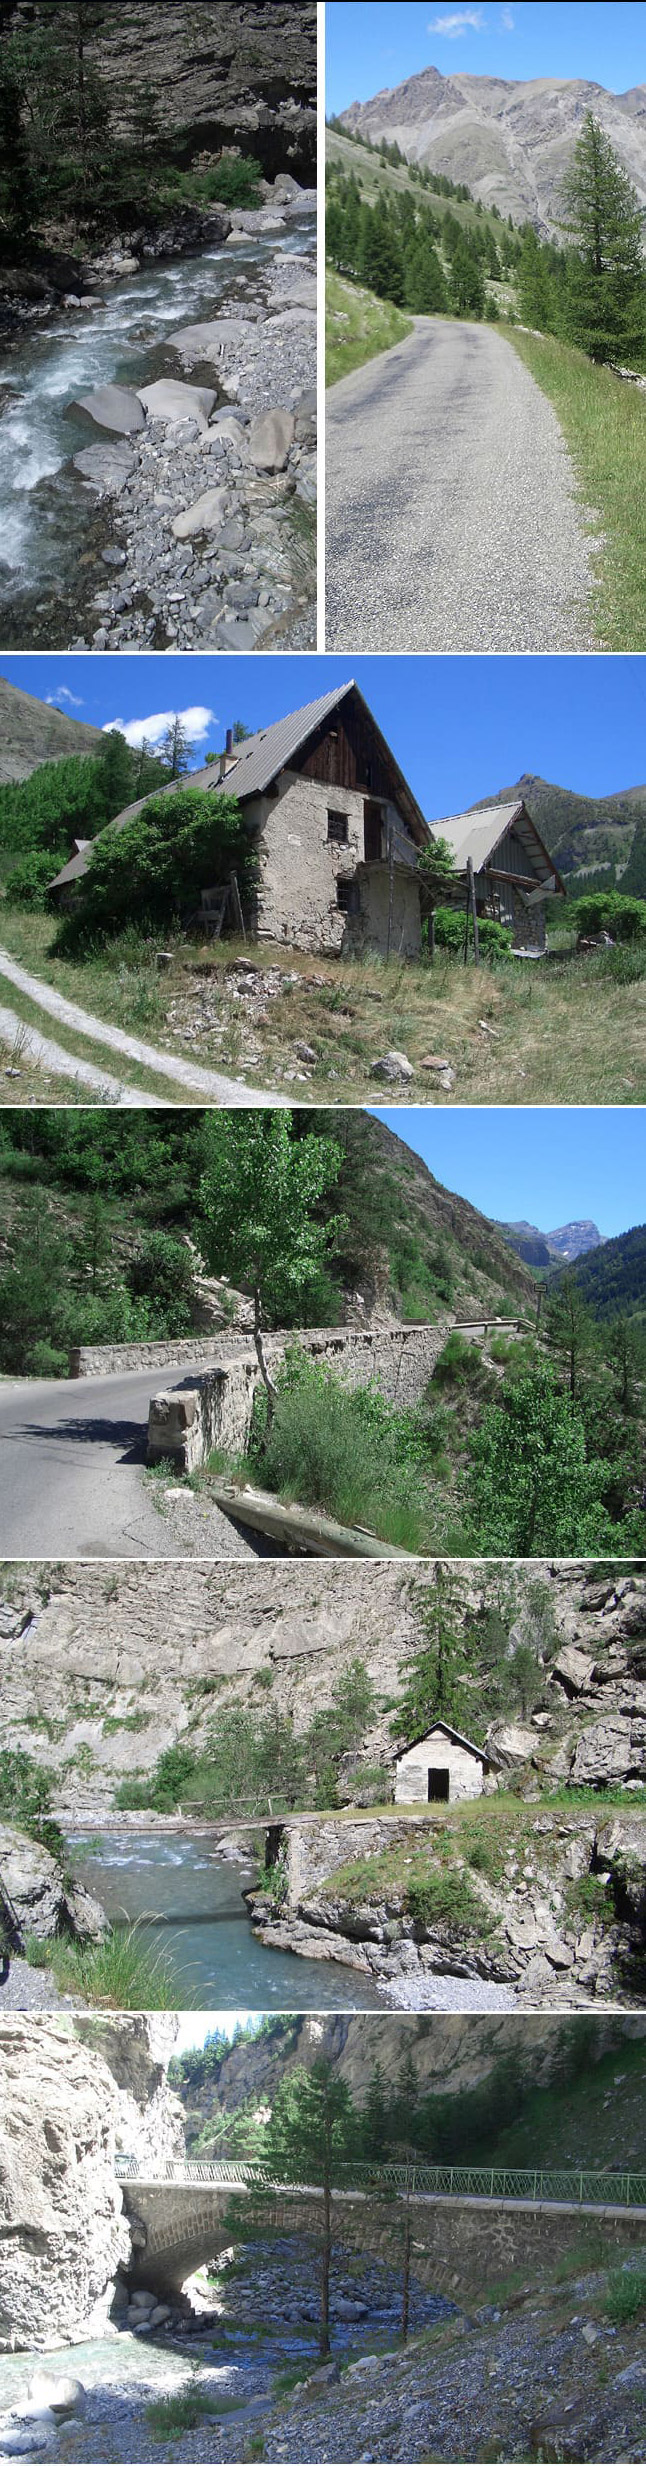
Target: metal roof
x=255, y=764
x=448, y=1732
x=478, y=834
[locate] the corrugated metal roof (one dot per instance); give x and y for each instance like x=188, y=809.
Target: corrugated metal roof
x=476, y=835
x=257, y=762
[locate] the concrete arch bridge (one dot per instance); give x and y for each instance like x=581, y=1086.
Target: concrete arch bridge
x=470, y=2225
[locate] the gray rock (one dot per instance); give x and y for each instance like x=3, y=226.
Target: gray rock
x=58, y=2391
x=392, y=1065
x=207, y=514
x=111, y=406
x=270, y=438
x=171, y=400
x=113, y=556
x=108, y=467
x=206, y=342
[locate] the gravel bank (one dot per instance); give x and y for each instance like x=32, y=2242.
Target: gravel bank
x=452, y=519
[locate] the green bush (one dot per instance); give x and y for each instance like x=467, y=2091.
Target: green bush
x=626, y=2296
x=446, y=1899
x=47, y=1361
x=27, y=886
x=495, y=940
x=458, y=1363
x=155, y=867
x=350, y=1455
x=162, y=1276
x=236, y=181
x=611, y=912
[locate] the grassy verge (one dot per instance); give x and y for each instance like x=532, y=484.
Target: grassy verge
x=357, y=326
x=603, y=419
x=121, y=1974
x=569, y=1031
x=349, y=1455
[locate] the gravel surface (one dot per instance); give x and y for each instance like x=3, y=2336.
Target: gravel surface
x=32, y=1990
x=452, y=523
x=440, y=1993
x=207, y=1083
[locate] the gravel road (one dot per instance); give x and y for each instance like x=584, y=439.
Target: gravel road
x=452, y=522
x=206, y=1083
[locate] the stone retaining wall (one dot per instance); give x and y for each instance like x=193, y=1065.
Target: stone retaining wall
x=96, y=1361
x=216, y=1409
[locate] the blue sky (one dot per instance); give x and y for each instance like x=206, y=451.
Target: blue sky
x=371, y=47
x=460, y=728
x=549, y=1166
x=194, y=2027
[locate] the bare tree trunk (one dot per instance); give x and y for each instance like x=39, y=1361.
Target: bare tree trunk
x=324, y=2327
x=271, y=1390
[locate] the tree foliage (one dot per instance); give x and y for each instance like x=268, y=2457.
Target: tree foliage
x=156, y=865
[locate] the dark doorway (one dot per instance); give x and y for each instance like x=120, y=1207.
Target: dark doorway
x=373, y=827
x=438, y=1781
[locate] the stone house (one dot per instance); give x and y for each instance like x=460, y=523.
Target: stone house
x=337, y=829
x=441, y=1765
x=514, y=875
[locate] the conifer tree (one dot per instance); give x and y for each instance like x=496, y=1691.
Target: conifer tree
x=605, y=306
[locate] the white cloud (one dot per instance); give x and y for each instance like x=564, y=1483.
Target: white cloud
x=196, y=721
x=507, y=21
x=461, y=21
x=63, y=694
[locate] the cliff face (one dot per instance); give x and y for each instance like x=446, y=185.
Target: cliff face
x=452, y=2053
x=72, y=2092
x=94, y=1653
x=31, y=733
x=510, y=142
x=235, y=74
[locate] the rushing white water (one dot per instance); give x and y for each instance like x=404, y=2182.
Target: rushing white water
x=74, y=351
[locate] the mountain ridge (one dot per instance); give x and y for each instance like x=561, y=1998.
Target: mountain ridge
x=510, y=140
x=561, y=1247
x=33, y=732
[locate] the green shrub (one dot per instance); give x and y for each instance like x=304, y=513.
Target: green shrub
x=157, y=865
x=446, y=1899
x=162, y=1276
x=458, y=1362
x=350, y=1455
x=27, y=886
x=626, y=2296
x=236, y=181
x=611, y=912
x=495, y=940
x=47, y=1361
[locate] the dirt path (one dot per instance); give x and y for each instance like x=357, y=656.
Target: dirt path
x=206, y=1083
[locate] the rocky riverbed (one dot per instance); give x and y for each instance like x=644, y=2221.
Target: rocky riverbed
x=185, y=517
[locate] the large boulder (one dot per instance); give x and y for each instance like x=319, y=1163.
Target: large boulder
x=63, y=2231
x=207, y=341
x=607, y=1752
x=170, y=399
x=46, y=1904
x=207, y=514
x=621, y=1850
x=509, y=1745
x=270, y=438
x=107, y=467
x=111, y=406
x=574, y=1669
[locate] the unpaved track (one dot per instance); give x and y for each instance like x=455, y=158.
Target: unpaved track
x=207, y=1083
x=30, y=1046
x=452, y=521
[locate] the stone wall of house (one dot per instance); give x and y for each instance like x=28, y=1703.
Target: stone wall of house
x=216, y=1410
x=300, y=867
x=528, y=924
x=465, y=1773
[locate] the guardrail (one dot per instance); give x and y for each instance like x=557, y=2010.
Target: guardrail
x=443, y=2182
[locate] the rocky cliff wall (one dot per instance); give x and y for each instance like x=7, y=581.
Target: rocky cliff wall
x=100, y=1668
x=453, y=2053
x=72, y=2092
x=232, y=75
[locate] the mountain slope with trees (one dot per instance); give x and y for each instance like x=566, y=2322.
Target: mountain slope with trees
x=510, y=140
x=32, y=732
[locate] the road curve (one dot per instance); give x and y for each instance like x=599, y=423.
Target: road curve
x=215, y=1089
x=41, y=1052
x=452, y=520
x=72, y=1453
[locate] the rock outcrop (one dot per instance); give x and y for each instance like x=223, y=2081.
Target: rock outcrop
x=216, y=77
x=45, y=1901
x=511, y=142
x=73, y=2092
x=32, y=732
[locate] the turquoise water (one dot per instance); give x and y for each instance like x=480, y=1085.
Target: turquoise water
x=191, y=1899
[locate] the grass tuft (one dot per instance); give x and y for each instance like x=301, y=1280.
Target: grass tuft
x=603, y=418
x=357, y=326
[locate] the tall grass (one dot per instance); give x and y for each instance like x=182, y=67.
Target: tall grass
x=603, y=418
x=350, y=1455
x=357, y=326
x=123, y=1973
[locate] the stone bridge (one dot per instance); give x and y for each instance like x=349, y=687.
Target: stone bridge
x=470, y=2227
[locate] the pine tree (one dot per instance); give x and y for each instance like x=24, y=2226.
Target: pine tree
x=175, y=749
x=605, y=305
x=467, y=286
x=380, y=256
x=425, y=289
x=533, y=292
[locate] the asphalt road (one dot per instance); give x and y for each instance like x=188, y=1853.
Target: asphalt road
x=452, y=523
x=72, y=1453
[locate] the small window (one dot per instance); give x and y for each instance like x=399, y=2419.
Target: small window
x=337, y=828
x=347, y=897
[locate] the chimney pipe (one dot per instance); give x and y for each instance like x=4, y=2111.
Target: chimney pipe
x=229, y=745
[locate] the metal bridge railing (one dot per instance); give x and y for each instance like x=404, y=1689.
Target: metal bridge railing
x=582, y=2187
